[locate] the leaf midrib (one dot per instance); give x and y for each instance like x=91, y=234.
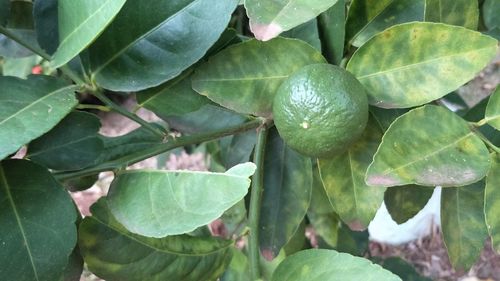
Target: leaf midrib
x=127, y=46
x=4, y=182
x=409, y=66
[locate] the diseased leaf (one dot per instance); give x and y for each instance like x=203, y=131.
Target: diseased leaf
x=331, y=26
x=37, y=216
x=404, y=202
x=432, y=60
x=286, y=196
x=115, y=254
x=367, y=18
x=147, y=45
x=490, y=13
x=78, y=30
x=245, y=77
x=173, y=98
x=455, y=12
x=492, y=114
x=417, y=149
x=46, y=19
x=343, y=177
x=30, y=108
x=463, y=224
x=492, y=201
x=71, y=145
x=160, y=203
x=269, y=18
x=329, y=265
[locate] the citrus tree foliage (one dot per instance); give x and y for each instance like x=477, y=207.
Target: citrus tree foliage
x=217, y=73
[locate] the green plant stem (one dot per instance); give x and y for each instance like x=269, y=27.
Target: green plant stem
x=93, y=106
x=255, y=202
x=115, y=107
x=159, y=149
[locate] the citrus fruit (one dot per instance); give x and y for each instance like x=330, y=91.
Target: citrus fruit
x=320, y=110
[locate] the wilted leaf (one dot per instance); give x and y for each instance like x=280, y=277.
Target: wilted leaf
x=269, y=18
x=329, y=265
x=29, y=108
x=367, y=18
x=71, y=145
x=160, y=203
x=286, y=196
x=115, y=254
x=37, y=216
x=147, y=45
x=245, y=77
x=431, y=61
x=463, y=224
x=417, y=149
x=344, y=179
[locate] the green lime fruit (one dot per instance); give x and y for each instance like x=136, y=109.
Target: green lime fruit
x=320, y=110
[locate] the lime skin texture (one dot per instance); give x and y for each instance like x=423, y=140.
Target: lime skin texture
x=320, y=110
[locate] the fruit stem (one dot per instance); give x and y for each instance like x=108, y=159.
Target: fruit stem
x=255, y=203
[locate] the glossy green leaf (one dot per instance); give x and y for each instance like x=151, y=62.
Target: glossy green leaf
x=463, y=224
x=404, y=202
x=307, y=32
x=367, y=18
x=331, y=25
x=492, y=114
x=71, y=145
x=115, y=254
x=432, y=60
x=20, y=23
x=343, y=177
x=492, y=201
x=79, y=184
x=37, y=216
x=490, y=13
x=30, y=108
x=417, y=149
x=245, y=77
x=330, y=265
x=78, y=30
x=455, y=12
x=74, y=268
x=46, y=18
x=401, y=268
x=286, y=196
x=269, y=18
x=174, y=98
x=147, y=45
x=160, y=203
x=237, y=149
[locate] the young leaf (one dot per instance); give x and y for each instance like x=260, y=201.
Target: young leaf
x=492, y=201
x=269, y=18
x=367, y=18
x=71, y=145
x=115, y=254
x=161, y=203
x=432, y=60
x=37, y=216
x=147, y=45
x=404, y=202
x=418, y=149
x=455, y=12
x=78, y=29
x=174, y=98
x=46, y=18
x=463, y=224
x=343, y=177
x=244, y=77
x=493, y=109
x=490, y=13
x=29, y=108
x=329, y=265
x=286, y=197
x=331, y=26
